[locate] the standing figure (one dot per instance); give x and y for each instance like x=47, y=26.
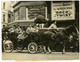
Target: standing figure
x=53, y=25
x=29, y=29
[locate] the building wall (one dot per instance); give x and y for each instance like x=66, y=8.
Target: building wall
x=24, y=9
x=27, y=10
x=5, y=12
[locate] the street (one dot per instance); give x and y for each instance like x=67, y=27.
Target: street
x=45, y=23
x=40, y=56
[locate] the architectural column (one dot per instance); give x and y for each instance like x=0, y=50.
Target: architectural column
x=46, y=13
x=51, y=10
x=26, y=13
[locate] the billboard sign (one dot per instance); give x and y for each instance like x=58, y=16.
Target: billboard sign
x=63, y=11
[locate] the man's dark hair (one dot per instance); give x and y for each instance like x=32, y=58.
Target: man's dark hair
x=14, y=26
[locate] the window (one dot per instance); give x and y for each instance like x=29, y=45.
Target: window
x=3, y=26
x=3, y=17
x=9, y=17
x=3, y=5
x=17, y=15
x=34, y=11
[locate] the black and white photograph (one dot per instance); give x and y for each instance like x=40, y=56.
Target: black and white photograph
x=40, y=30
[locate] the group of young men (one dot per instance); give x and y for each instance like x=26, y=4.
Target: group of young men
x=21, y=33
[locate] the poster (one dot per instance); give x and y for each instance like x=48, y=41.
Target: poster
x=63, y=10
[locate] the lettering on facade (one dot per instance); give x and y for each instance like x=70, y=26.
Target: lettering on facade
x=63, y=11
x=34, y=11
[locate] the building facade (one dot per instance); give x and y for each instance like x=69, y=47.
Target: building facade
x=62, y=12
x=6, y=14
x=29, y=10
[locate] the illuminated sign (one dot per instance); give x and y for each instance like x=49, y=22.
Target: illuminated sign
x=63, y=11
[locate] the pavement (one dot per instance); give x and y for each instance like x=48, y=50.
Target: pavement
x=24, y=55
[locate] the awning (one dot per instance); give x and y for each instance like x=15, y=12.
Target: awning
x=21, y=23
